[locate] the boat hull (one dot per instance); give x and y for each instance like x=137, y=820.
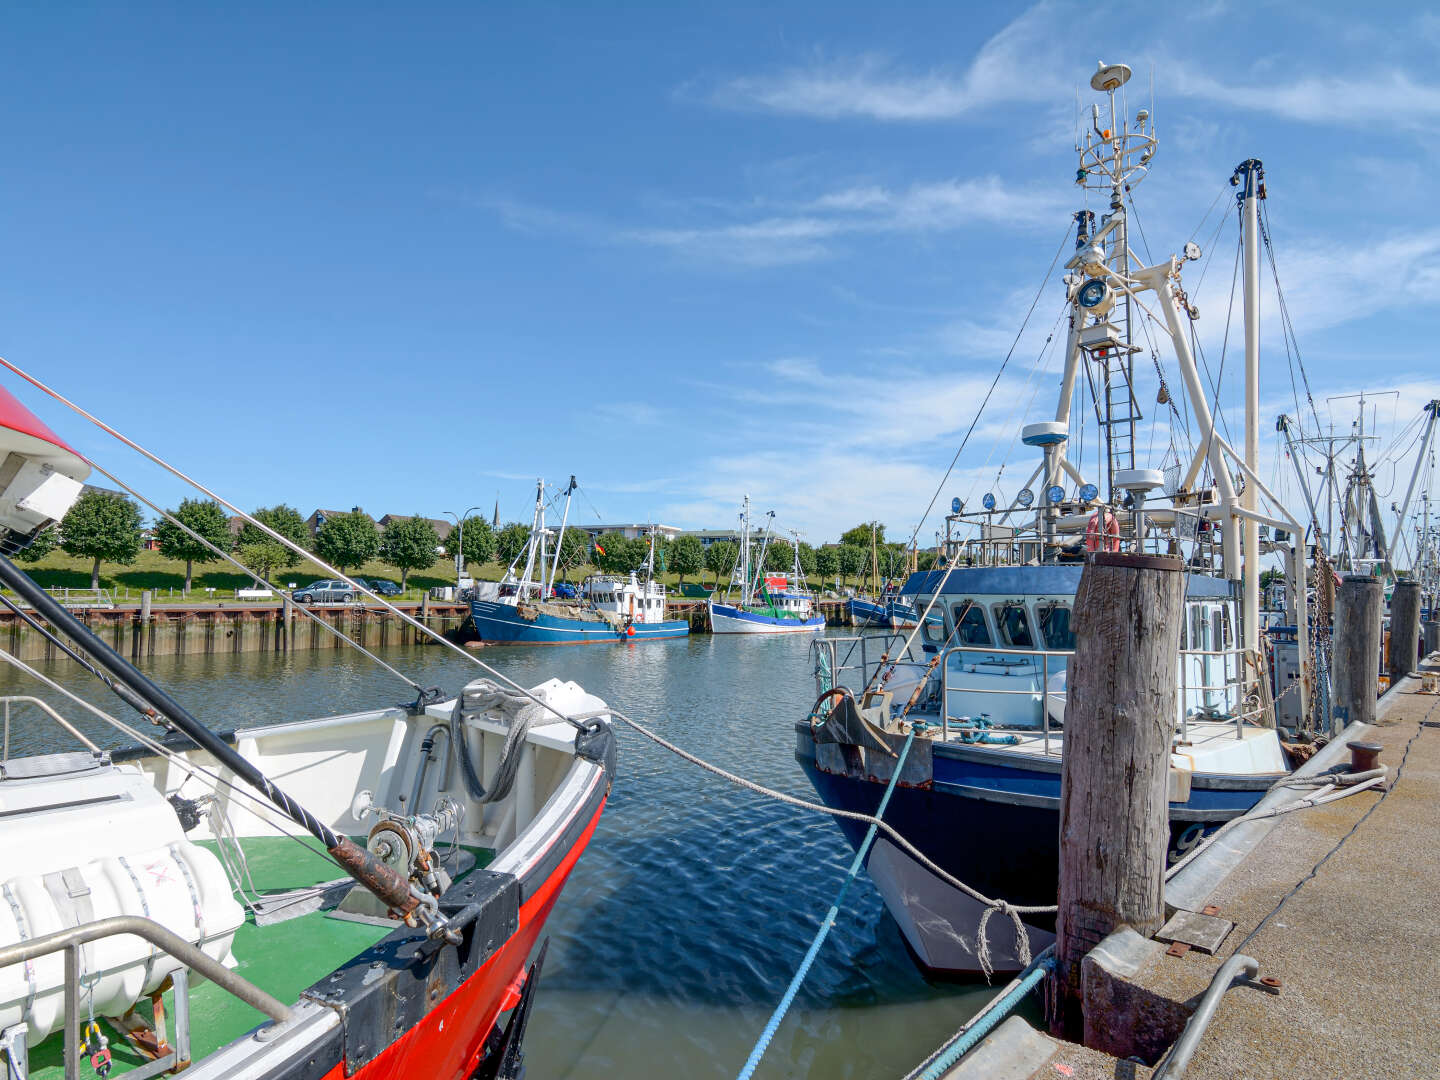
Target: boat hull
x=863, y=613
x=727, y=619
x=503, y=624
x=1005, y=844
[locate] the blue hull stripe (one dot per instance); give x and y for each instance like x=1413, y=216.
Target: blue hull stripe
x=762, y=622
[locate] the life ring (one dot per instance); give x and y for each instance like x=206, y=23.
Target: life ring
x=1102, y=534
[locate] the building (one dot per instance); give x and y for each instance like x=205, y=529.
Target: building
x=632, y=531
x=716, y=536
x=443, y=528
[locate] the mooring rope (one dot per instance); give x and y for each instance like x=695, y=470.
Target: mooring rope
x=788, y=998
x=982, y=954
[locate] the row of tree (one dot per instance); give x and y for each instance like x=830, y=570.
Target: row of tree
x=107, y=527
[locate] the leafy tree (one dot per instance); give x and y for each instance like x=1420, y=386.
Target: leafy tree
x=1271, y=577
x=807, y=560
x=720, y=558
x=827, y=562
x=104, y=526
x=206, y=518
x=779, y=556
x=479, y=541
x=860, y=534
x=892, y=561
x=286, y=521
x=510, y=541
x=687, y=556
x=617, y=554
x=574, y=550
x=409, y=544
x=46, y=541
x=853, y=559
x=927, y=560
x=348, y=540
x=265, y=556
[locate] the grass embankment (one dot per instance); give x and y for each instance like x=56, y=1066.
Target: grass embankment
x=166, y=577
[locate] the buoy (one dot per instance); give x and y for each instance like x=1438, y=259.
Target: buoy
x=1102, y=534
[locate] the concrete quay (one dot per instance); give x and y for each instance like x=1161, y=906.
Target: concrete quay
x=1337, y=902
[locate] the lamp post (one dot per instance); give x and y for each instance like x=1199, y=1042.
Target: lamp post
x=460, y=548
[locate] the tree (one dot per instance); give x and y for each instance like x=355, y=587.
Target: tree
x=286, y=521
x=348, y=540
x=860, y=534
x=687, y=556
x=927, y=560
x=853, y=559
x=104, y=526
x=206, y=518
x=779, y=556
x=46, y=541
x=827, y=562
x=892, y=561
x=510, y=541
x=478, y=539
x=574, y=550
x=720, y=558
x=618, y=554
x=409, y=544
x=1271, y=577
x=808, y=566
x=264, y=555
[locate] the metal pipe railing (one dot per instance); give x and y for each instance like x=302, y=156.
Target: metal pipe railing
x=48, y=709
x=988, y=650
x=71, y=939
x=1174, y=1066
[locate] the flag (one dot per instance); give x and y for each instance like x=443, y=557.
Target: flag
x=598, y=548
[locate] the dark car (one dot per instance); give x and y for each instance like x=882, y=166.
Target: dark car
x=327, y=592
x=385, y=588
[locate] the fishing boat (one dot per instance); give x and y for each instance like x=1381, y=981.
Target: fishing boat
x=167, y=907
x=982, y=680
x=889, y=612
x=773, y=605
x=523, y=608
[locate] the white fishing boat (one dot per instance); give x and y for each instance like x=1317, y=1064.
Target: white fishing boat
x=778, y=605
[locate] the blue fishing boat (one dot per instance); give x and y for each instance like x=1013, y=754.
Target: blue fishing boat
x=980, y=683
x=523, y=609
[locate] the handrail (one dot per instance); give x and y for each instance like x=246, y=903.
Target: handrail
x=44, y=707
x=1178, y=1060
x=1044, y=691
x=192, y=956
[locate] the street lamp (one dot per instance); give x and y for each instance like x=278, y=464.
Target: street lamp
x=460, y=552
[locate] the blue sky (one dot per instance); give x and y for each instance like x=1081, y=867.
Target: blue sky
x=410, y=257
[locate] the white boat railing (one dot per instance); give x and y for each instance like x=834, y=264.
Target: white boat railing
x=1234, y=682
x=829, y=663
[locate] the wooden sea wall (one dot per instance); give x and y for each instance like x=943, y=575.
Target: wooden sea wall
x=232, y=628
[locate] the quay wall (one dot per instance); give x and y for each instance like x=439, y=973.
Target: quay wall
x=232, y=628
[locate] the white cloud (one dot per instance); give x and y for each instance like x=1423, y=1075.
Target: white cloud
x=1391, y=99
x=1013, y=65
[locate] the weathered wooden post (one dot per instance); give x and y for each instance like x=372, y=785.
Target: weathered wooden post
x=1404, y=629
x=1119, y=726
x=287, y=629
x=1355, y=649
x=1431, y=630
x=143, y=636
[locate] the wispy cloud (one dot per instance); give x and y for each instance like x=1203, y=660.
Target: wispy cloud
x=1013, y=65
x=1390, y=98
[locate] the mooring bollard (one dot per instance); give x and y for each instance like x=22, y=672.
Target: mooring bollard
x=1404, y=629
x=1356, y=650
x=1119, y=725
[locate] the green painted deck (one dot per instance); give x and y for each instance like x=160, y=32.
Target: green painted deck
x=283, y=959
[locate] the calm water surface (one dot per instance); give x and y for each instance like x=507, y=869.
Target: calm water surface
x=696, y=900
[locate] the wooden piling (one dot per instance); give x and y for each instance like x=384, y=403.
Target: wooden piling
x=1119, y=725
x=1355, y=659
x=144, y=639
x=1404, y=629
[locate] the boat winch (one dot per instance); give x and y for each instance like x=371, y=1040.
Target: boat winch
x=406, y=842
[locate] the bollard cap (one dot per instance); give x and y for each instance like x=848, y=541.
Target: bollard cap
x=1361, y=579
x=1136, y=562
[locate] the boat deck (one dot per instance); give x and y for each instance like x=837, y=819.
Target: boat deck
x=283, y=958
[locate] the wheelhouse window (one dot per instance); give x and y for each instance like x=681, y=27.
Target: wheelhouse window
x=1055, y=628
x=934, y=628
x=970, y=625
x=1014, y=626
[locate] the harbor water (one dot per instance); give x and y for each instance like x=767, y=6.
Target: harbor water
x=696, y=899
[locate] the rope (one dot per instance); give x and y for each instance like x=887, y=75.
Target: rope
x=1014, y=911
x=788, y=998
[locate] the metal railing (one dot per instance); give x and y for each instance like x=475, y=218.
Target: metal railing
x=43, y=706
x=1235, y=681
x=70, y=942
x=829, y=661
x=1042, y=693
x=1174, y=1065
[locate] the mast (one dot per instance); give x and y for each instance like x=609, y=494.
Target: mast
x=537, y=533
x=1432, y=410
x=874, y=559
x=745, y=552
x=1251, y=175
x=559, y=540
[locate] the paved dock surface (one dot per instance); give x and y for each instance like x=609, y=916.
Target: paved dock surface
x=1341, y=903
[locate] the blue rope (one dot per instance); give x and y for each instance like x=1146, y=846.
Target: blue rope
x=826, y=923
x=996, y=1011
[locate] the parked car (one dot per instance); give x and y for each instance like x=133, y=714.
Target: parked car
x=564, y=591
x=385, y=588
x=328, y=592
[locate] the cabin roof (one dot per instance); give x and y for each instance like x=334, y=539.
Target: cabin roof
x=1035, y=581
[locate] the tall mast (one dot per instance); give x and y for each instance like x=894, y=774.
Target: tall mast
x=745, y=553
x=559, y=540
x=1251, y=176
x=537, y=532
